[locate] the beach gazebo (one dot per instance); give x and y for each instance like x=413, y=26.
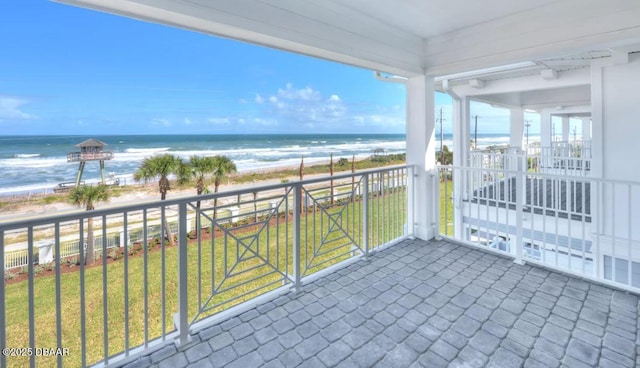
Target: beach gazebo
x=90, y=150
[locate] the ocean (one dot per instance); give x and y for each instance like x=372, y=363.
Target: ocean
x=36, y=164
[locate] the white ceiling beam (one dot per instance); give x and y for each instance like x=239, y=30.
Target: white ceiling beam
x=561, y=27
x=360, y=42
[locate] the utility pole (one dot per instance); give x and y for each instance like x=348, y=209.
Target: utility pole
x=527, y=124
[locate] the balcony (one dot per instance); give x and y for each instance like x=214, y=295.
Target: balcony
x=165, y=268
x=319, y=272
x=430, y=304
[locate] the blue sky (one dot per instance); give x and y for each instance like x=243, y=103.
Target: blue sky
x=67, y=70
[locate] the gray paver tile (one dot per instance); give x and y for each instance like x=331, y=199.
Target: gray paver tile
x=198, y=352
x=270, y=350
x=430, y=359
x=544, y=358
x=399, y=357
x=466, y=326
x=245, y=345
x=290, y=339
x=485, y=342
x=241, y=331
x=471, y=357
x=290, y=359
x=619, y=345
x=311, y=346
x=175, y=361
x=368, y=355
x=444, y=350
x=334, y=354
x=504, y=358
x=222, y=357
x=583, y=352
x=163, y=353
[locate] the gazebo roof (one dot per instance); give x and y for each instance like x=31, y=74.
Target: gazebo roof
x=92, y=142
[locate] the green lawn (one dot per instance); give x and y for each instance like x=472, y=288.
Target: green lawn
x=237, y=279
x=446, y=207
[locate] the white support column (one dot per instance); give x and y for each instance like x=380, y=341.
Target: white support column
x=586, y=129
x=565, y=129
x=461, y=138
x=545, y=129
x=517, y=127
x=597, y=160
x=421, y=152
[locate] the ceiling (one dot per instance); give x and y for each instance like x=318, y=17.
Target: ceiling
x=405, y=37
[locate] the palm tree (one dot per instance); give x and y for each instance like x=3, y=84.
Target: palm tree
x=223, y=166
x=88, y=196
x=160, y=166
x=201, y=166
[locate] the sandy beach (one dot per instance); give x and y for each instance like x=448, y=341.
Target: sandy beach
x=23, y=207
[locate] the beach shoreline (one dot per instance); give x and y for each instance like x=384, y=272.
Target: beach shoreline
x=23, y=207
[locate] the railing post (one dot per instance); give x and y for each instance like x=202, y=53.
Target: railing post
x=435, y=177
x=410, y=202
x=182, y=316
x=520, y=201
x=297, y=200
x=365, y=215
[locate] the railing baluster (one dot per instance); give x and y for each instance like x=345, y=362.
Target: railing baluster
x=105, y=294
x=629, y=202
x=297, y=194
x=56, y=233
x=83, y=316
x=183, y=279
x=32, y=327
x=365, y=215
x=145, y=274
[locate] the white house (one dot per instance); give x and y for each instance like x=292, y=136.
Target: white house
x=565, y=58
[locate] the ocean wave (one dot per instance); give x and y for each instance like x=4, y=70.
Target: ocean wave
x=147, y=150
x=26, y=155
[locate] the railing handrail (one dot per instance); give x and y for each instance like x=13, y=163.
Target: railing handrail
x=553, y=176
x=80, y=214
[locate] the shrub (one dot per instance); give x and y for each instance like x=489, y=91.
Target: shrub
x=343, y=161
x=8, y=275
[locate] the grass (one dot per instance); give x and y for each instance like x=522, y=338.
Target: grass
x=126, y=280
x=446, y=207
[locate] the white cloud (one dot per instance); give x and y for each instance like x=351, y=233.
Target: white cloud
x=187, y=121
x=10, y=109
x=305, y=105
x=306, y=109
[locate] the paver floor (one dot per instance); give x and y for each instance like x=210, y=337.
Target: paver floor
x=426, y=304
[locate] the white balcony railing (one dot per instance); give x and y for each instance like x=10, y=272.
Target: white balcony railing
x=580, y=225
x=245, y=245
x=561, y=160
